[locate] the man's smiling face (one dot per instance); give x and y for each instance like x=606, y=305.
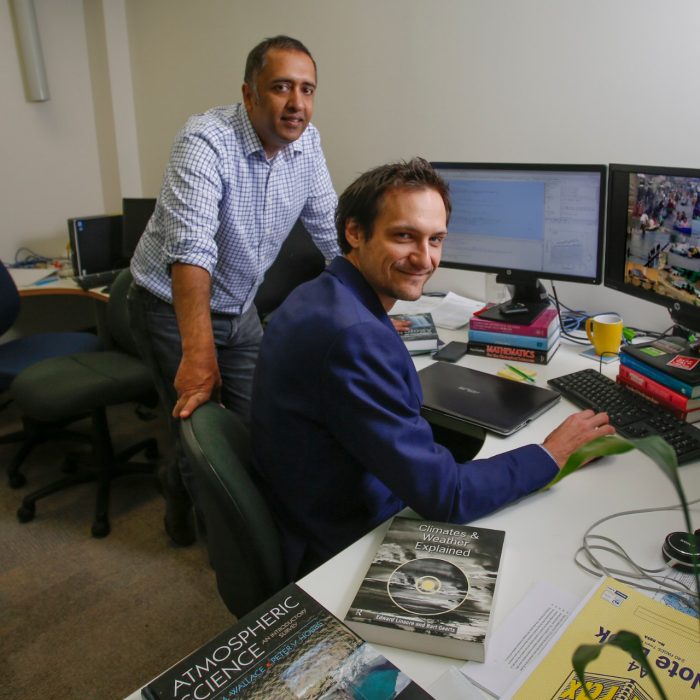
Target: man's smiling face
x=282, y=101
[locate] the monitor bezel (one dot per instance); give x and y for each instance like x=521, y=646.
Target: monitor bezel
x=515, y=275
x=683, y=314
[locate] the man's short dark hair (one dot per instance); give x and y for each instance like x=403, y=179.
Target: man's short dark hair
x=256, y=58
x=362, y=199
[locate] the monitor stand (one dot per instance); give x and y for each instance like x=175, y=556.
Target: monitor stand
x=528, y=300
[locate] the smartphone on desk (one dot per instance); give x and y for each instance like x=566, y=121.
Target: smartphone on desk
x=451, y=352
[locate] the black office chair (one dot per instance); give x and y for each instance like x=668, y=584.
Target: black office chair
x=15, y=356
x=299, y=260
x=242, y=538
x=86, y=384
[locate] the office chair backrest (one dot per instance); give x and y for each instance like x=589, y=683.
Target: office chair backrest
x=299, y=260
x=118, y=313
x=244, y=545
x=9, y=300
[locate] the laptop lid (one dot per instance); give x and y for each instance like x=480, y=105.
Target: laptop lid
x=95, y=244
x=456, y=395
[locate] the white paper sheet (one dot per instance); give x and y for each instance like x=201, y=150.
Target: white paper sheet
x=517, y=641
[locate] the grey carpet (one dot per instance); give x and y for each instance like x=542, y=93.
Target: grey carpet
x=96, y=618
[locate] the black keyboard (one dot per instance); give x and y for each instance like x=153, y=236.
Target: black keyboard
x=631, y=415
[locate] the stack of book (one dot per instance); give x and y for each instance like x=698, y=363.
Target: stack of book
x=665, y=371
x=534, y=342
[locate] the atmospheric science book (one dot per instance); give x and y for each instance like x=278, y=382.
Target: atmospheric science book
x=288, y=648
x=430, y=588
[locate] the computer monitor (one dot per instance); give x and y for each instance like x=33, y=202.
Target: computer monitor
x=526, y=222
x=135, y=212
x=653, y=238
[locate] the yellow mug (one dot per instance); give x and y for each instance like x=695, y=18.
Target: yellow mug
x=605, y=333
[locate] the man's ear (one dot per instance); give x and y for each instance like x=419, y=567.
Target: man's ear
x=248, y=96
x=353, y=233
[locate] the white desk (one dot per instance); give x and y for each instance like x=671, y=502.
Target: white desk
x=542, y=530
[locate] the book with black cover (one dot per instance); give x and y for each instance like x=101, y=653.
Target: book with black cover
x=454, y=395
x=513, y=353
x=422, y=336
x=672, y=356
x=288, y=648
x=430, y=588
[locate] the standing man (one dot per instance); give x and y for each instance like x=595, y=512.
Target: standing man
x=338, y=438
x=238, y=179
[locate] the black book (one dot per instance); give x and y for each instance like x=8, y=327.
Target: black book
x=671, y=356
x=288, y=648
x=430, y=588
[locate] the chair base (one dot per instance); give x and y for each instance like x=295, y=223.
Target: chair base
x=33, y=434
x=106, y=467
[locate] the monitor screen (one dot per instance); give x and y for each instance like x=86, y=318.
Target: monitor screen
x=653, y=238
x=136, y=212
x=526, y=222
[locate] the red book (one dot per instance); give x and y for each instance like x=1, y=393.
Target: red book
x=541, y=327
x=680, y=405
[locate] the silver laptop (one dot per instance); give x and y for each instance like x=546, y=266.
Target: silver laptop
x=458, y=397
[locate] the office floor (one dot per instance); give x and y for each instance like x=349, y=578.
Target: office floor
x=88, y=618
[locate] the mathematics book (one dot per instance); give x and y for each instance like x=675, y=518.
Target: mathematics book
x=671, y=642
x=511, y=353
x=288, y=648
x=430, y=588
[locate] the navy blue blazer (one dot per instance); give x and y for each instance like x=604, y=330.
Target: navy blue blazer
x=338, y=439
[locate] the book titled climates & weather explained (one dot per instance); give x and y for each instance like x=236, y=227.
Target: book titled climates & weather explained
x=288, y=648
x=670, y=640
x=430, y=588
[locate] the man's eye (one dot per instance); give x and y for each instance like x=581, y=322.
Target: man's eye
x=309, y=90
x=437, y=240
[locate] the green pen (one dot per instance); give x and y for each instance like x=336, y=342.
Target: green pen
x=520, y=373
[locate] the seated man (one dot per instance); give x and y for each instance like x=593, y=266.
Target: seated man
x=339, y=442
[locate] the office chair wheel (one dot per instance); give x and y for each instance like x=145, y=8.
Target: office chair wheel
x=26, y=512
x=17, y=480
x=100, y=528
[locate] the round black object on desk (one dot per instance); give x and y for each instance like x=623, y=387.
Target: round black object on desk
x=678, y=550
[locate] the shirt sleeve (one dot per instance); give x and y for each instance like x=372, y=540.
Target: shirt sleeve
x=192, y=190
x=318, y=214
x=374, y=415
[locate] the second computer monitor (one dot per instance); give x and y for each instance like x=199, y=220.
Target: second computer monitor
x=135, y=212
x=652, y=249
x=526, y=222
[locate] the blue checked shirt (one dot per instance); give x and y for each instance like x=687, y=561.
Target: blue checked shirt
x=224, y=207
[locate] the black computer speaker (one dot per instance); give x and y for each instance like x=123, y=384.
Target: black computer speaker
x=678, y=552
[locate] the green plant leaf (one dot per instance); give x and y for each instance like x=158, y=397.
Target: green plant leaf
x=600, y=447
x=628, y=642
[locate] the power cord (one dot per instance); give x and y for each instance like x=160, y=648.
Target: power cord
x=635, y=575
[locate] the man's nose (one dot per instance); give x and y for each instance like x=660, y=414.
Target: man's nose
x=295, y=100
x=421, y=255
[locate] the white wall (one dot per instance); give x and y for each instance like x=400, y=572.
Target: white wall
x=49, y=167
x=504, y=80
